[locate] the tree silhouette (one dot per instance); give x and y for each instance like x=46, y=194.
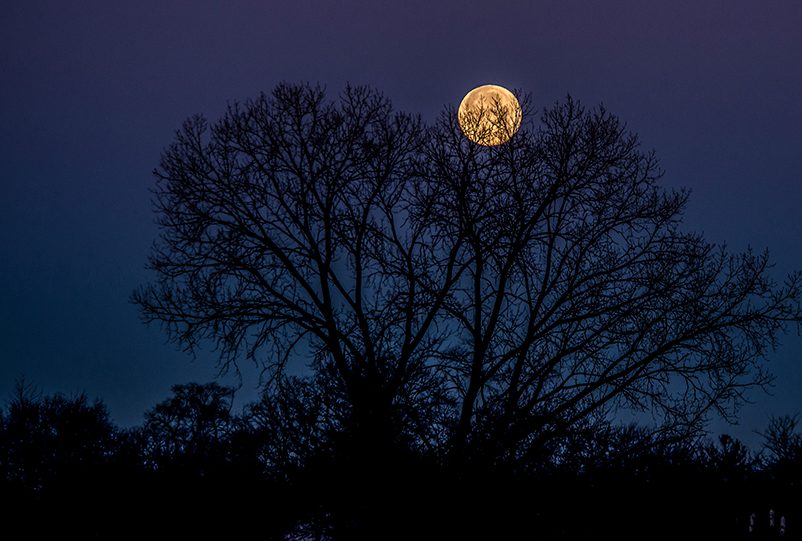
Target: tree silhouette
x=55, y=458
x=293, y=422
x=509, y=291
x=475, y=304
x=53, y=440
x=782, y=440
x=204, y=467
x=783, y=467
x=191, y=428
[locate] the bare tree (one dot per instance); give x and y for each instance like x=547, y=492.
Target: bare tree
x=480, y=299
x=47, y=442
x=782, y=440
x=191, y=427
x=293, y=421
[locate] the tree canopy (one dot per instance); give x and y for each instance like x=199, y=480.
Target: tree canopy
x=465, y=300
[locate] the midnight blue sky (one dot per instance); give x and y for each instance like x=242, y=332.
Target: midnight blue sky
x=91, y=91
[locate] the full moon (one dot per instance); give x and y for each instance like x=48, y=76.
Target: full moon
x=489, y=115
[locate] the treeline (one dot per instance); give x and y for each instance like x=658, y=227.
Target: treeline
x=281, y=470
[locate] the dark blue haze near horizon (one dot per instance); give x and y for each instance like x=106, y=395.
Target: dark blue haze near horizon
x=92, y=91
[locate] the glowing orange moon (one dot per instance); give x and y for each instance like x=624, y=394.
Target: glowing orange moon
x=489, y=115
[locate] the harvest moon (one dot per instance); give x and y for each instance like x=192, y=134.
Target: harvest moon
x=489, y=115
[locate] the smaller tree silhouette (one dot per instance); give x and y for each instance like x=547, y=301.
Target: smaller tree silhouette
x=730, y=459
x=190, y=430
x=782, y=475
x=53, y=440
x=782, y=441
x=205, y=480
x=293, y=421
x=55, y=457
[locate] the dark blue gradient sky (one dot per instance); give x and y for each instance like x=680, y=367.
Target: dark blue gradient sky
x=92, y=91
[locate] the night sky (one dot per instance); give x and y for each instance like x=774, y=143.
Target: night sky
x=91, y=91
